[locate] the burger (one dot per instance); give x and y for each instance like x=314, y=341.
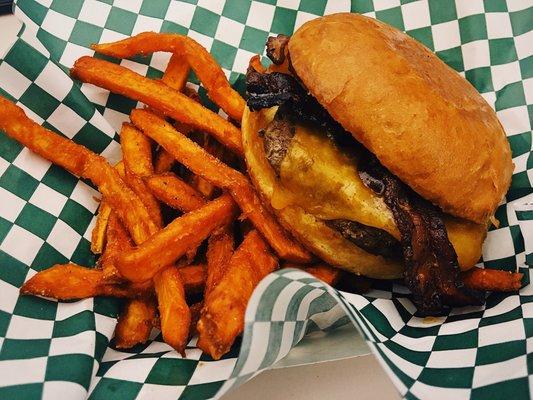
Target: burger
x=376, y=156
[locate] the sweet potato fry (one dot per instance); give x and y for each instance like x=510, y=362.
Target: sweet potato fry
x=177, y=72
x=157, y=95
x=196, y=308
x=203, y=64
x=206, y=188
x=213, y=170
x=219, y=252
x=55, y=148
x=174, y=313
x=80, y=161
x=135, y=323
x=122, y=199
x=98, y=235
x=326, y=273
x=193, y=278
x=80, y=282
x=121, y=169
x=174, y=192
x=138, y=187
x=222, y=318
x=492, y=279
x=136, y=151
x=148, y=199
x=133, y=314
x=73, y=282
x=118, y=240
x=137, y=156
x=173, y=241
x=163, y=162
x=177, y=194
x=65, y=282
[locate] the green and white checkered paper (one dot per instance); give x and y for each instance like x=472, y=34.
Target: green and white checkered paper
x=54, y=350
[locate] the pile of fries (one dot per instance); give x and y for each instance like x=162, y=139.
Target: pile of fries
x=192, y=270
x=179, y=271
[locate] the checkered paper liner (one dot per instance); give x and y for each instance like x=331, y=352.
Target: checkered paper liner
x=54, y=350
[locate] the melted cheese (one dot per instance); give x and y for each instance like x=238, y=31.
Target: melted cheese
x=320, y=178
x=325, y=182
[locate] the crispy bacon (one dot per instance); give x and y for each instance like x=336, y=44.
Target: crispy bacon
x=373, y=240
x=432, y=272
x=265, y=90
x=276, y=48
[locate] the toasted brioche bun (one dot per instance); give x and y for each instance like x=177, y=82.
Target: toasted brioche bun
x=423, y=121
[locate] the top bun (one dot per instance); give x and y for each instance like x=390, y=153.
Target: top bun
x=423, y=121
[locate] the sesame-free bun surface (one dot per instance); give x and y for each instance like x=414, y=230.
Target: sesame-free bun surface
x=423, y=121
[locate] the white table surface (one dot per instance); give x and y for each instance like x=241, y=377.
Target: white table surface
x=355, y=378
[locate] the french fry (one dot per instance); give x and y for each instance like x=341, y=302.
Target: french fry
x=255, y=64
x=133, y=314
x=326, y=273
x=177, y=194
x=73, y=282
x=136, y=151
x=157, y=95
x=492, y=280
x=222, y=318
x=98, y=235
x=193, y=278
x=148, y=199
x=219, y=252
x=174, y=313
x=173, y=241
x=203, y=64
x=196, y=308
x=145, y=195
x=135, y=323
x=207, y=189
x=193, y=95
x=213, y=170
x=65, y=282
x=122, y=199
x=55, y=148
x=118, y=240
x=80, y=161
x=177, y=72
x=137, y=156
x=174, y=192
x=121, y=169
x=163, y=162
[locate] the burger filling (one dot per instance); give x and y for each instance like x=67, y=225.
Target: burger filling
x=321, y=168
